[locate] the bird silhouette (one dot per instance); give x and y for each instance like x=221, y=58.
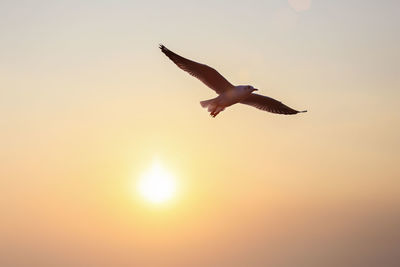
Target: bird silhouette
x=228, y=94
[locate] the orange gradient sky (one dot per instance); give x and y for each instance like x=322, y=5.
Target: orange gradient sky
x=87, y=102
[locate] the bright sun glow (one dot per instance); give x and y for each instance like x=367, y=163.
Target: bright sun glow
x=157, y=185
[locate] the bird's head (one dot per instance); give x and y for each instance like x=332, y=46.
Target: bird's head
x=247, y=88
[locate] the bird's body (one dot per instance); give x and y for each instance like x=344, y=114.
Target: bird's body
x=228, y=94
x=226, y=99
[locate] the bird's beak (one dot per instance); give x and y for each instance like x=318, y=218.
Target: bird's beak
x=255, y=89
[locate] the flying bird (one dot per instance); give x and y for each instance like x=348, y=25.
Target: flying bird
x=228, y=94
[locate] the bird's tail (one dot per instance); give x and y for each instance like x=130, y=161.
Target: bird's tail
x=212, y=106
x=207, y=103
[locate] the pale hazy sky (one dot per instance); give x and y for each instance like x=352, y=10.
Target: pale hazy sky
x=87, y=101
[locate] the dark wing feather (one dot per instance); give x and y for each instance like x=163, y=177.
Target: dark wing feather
x=269, y=104
x=204, y=73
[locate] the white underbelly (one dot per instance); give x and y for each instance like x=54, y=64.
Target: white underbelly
x=231, y=97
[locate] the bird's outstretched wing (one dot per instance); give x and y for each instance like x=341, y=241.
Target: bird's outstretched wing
x=269, y=104
x=204, y=73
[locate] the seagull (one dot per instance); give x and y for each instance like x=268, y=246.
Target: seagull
x=228, y=94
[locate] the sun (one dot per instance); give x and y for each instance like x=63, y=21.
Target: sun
x=157, y=185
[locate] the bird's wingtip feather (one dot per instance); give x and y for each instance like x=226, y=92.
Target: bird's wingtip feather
x=303, y=111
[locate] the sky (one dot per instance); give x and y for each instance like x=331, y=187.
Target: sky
x=88, y=103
